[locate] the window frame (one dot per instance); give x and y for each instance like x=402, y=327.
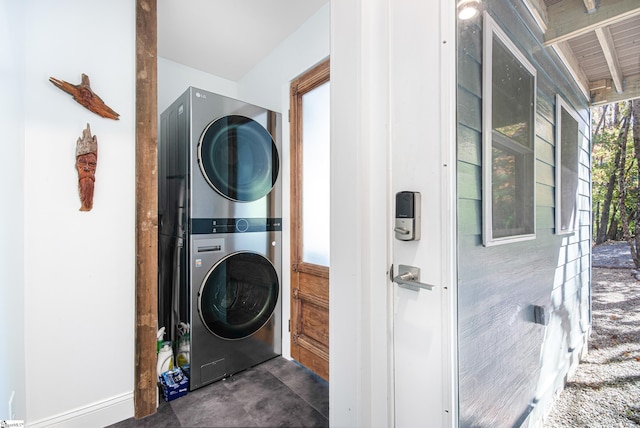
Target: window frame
x=307, y=82
x=560, y=105
x=492, y=31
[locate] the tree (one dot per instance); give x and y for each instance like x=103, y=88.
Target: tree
x=622, y=186
x=635, y=117
x=614, y=174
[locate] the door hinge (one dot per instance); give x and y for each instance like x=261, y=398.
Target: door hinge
x=289, y=115
x=289, y=326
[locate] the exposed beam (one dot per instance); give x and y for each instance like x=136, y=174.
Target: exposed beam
x=538, y=10
x=609, y=50
x=146, y=328
x=590, y=5
x=569, y=19
x=605, y=95
x=573, y=65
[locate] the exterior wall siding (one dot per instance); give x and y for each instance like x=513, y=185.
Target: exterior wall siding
x=510, y=367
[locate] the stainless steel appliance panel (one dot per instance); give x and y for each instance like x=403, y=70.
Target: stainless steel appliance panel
x=220, y=234
x=206, y=109
x=212, y=356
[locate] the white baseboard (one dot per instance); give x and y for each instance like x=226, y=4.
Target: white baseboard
x=99, y=414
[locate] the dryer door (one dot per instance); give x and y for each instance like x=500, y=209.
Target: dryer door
x=238, y=295
x=238, y=158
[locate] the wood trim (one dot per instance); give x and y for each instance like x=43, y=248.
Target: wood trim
x=538, y=10
x=313, y=346
x=309, y=282
x=568, y=20
x=144, y=394
x=312, y=78
x=573, y=66
x=310, y=298
x=609, y=50
x=299, y=86
x=317, y=270
x=602, y=94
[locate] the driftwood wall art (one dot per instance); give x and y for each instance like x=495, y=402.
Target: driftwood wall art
x=86, y=163
x=83, y=94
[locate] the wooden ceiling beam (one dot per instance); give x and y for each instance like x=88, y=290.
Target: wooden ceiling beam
x=604, y=94
x=609, y=50
x=569, y=18
x=590, y=5
x=538, y=10
x=573, y=66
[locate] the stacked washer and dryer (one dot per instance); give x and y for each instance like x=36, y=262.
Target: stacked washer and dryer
x=220, y=234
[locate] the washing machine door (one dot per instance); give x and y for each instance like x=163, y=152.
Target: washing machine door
x=238, y=158
x=238, y=295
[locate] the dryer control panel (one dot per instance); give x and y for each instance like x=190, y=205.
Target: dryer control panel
x=206, y=226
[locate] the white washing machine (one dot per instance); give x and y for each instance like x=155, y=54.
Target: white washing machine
x=220, y=234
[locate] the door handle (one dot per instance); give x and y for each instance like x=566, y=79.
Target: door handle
x=409, y=277
x=401, y=230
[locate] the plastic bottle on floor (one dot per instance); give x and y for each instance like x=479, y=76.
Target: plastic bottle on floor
x=165, y=358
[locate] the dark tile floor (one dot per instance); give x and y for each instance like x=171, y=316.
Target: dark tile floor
x=277, y=393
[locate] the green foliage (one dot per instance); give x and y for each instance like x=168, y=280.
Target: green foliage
x=605, y=145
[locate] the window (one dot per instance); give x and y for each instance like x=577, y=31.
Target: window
x=316, y=168
x=567, y=157
x=508, y=130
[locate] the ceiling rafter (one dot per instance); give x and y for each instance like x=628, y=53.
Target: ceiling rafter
x=583, y=34
x=608, y=48
x=569, y=19
x=538, y=10
x=569, y=59
x=590, y=5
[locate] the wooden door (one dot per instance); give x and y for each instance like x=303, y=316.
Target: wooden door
x=309, y=121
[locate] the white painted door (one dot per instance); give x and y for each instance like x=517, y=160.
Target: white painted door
x=422, y=101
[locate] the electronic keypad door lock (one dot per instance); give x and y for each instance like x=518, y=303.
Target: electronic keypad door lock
x=407, y=226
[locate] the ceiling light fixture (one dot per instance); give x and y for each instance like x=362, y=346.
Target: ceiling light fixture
x=468, y=9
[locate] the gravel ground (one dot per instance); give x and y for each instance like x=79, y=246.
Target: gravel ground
x=605, y=390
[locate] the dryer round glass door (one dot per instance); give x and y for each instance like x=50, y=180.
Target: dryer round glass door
x=238, y=158
x=238, y=295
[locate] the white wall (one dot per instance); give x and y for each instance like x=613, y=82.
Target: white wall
x=267, y=84
x=12, y=305
x=349, y=318
x=174, y=79
x=79, y=266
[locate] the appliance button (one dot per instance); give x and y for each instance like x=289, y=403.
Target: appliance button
x=242, y=225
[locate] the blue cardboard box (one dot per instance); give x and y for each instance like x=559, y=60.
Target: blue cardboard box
x=174, y=384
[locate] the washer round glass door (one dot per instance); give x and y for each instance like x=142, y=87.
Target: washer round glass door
x=238, y=295
x=238, y=158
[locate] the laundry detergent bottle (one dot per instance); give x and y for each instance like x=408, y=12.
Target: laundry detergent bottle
x=165, y=358
x=159, y=339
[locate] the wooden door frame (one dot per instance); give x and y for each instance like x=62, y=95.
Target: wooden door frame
x=316, y=355
x=315, y=77
x=146, y=288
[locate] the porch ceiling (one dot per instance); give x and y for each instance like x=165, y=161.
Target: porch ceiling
x=599, y=42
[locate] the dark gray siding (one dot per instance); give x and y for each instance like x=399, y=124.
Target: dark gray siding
x=509, y=366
